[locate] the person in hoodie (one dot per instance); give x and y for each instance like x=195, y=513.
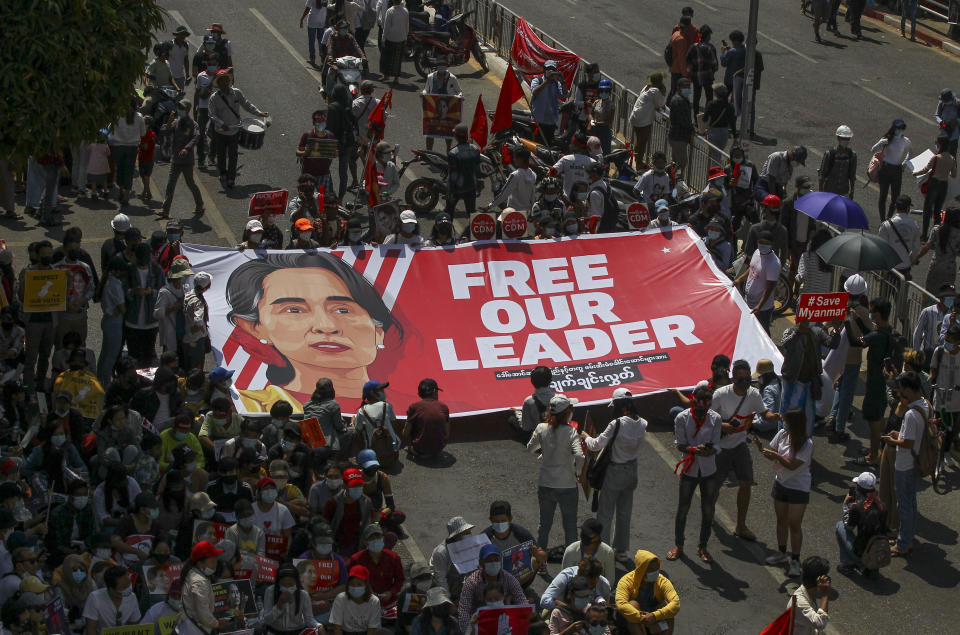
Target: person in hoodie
x=644, y=596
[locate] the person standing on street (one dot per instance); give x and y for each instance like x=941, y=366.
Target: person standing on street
x=179, y=56
x=547, y=90
x=938, y=170
x=186, y=134
x=396, y=27
x=464, y=162
x=684, y=36
x=681, y=130
x=838, y=168
x=926, y=332
x=737, y=403
x=733, y=58
x=908, y=10
x=650, y=101
x=777, y=171
x=858, y=323
x=315, y=13
x=561, y=460
x=902, y=233
x=697, y=432
x=224, y=110
x=202, y=90
x=441, y=82
x=623, y=437
x=702, y=66
x=948, y=118
x=761, y=278
x=894, y=149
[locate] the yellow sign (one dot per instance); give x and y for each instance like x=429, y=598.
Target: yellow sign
x=133, y=629
x=167, y=624
x=45, y=290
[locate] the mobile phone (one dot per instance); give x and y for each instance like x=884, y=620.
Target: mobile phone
x=724, y=42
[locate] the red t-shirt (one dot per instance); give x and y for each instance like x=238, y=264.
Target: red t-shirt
x=386, y=575
x=148, y=144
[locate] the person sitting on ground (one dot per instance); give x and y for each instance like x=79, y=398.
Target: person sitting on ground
x=489, y=571
x=568, y=615
x=646, y=597
x=864, y=517
x=504, y=533
x=589, y=545
x=594, y=584
x=444, y=573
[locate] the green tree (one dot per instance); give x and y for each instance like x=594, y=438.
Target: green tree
x=69, y=68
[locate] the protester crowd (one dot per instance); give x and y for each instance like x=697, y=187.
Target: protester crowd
x=131, y=490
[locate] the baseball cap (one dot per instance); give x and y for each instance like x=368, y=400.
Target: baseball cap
x=763, y=366
x=550, y=64
x=771, y=200
x=408, y=216
x=352, y=477
x=303, y=224
x=202, y=550
x=372, y=385
x=264, y=482
x=254, y=226
x=428, y=385
x=367, y=458
x=662, y=204
x=866, y=480
x=489, y=550
x=359, y=571
x=560, y=403
x=621, y=393
x=279, y=469
x=370, y=531
x=218, y=374
x=200, y=501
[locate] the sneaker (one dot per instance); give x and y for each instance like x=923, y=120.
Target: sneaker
x=794, y=570
x=777, y=558
x=847, y=569
x=948, y=460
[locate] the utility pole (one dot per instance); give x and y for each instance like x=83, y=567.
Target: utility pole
x=746, y=101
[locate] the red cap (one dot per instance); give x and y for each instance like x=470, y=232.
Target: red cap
x=8, y=466
x=303, y=224
x=360, y=572
x=222, y=72
x=215, y=27
x=715, y=173
x=203, y=550
x=771, y=200
x=353, y=477
x=263, y=482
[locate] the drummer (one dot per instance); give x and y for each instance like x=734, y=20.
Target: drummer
x=224, y=111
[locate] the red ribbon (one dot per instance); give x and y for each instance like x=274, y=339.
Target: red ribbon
x=687, y=461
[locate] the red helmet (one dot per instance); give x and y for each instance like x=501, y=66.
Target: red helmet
x=771, y=200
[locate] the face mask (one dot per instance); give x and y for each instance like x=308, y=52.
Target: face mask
x=770, y=224
x=595, y=77
x=356, y=591
x=305, y=235
x=409, y=227
x=422, y=586
x=190, y=468
x=172, y=238
x=713, y=235
x=79, y=576
x=161, y=557
x=103, y=554
x=320, y=126
x=686, y=92
x=207, y=514
x=765, y=249
x=580, y=603
x=572, y=229
x=79, y=502
x=287, y=446
x=207, y=571
x=652, y=576
x=496, y=604
x=246, y=523
x=287, y=589
x=229, y=481
x=268, y=495
x=376, y=545
x=181, y=436
x=174, y=603
x=354, y=236
x=950, y=347
x=581, y=196
x=737, y=160
x=491, y=568
x=324, y=548
x=153, y=513
x=342, y=31
x=550, y=197
x=58, y=440
x=659, y=171
x=334, y=483
x=500, y=527
x=127, y=593
x=212, y=69
x=604, y=95
x=356, y=492
x=248, y=443
x=843, y=143
x=597, y=629
x=551, y=231
x=62, y=413
x=898, y=133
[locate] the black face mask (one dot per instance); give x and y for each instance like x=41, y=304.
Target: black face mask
x=443, y=610
x=73, y=254
x=229, y=481
x=46, y=260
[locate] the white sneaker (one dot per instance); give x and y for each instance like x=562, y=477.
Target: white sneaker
x=948, y=460
x=793, y=570
x=777, y=558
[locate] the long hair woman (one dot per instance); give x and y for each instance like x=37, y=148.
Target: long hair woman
x=287, y=608
x=945, y=243
x=813, y=274
x=790, y=451
x=895, y=149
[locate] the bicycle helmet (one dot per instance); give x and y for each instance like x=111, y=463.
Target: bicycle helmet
x=844, y=132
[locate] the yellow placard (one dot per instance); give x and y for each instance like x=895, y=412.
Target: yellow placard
x=45, y=290
x=132, y=629
x=167, y=624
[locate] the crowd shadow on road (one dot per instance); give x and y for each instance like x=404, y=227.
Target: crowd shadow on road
x=246, y=190
x=935, y=532
x=442, y=461
x=713, y=577
x=822, y=475
x=929, y=563
x=877, y=586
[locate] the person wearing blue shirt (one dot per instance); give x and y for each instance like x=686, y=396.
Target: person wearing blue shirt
x=732, y=59
x=548, y=90
x=588, y=567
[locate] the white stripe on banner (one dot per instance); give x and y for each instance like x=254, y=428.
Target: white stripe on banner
x=374, y=262
x=400, y=268
x=349, y=256
x=259, y=381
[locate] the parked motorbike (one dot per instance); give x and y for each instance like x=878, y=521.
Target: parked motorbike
x=447, y=48
x=423, y=194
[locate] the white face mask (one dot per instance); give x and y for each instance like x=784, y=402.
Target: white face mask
x=246, y=522
x=323, y=548
x=207, y=514
x=58, y=440
x=306, y=235
x=334, y=483
x=248, y=443
x=79, y=502
x=102, y=553
x=713, y=235
x=207, y=571
x=652, y=576
x=356, y=492
x=268, y=495
x=287, y=589
x=255, y=237
x=409, y=227
x=287, y=446
x=354, y=236
x=174, y=603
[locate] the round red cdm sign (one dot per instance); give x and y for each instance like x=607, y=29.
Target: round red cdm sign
x=483, y=226
x=638, y=216
x=514, y=225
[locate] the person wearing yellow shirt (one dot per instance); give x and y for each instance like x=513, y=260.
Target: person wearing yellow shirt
x=646, y=598
x=178, y=435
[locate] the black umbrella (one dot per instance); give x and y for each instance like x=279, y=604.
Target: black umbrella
x=860, y=252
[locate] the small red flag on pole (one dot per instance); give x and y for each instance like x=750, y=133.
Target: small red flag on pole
x=510, y=92
x=478, y=130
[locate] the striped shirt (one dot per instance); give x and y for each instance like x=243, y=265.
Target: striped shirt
x=926, y=335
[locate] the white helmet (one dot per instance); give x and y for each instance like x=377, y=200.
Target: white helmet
x=844, y=132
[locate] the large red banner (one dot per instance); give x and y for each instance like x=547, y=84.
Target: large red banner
x=646, y=311
x=528, y=53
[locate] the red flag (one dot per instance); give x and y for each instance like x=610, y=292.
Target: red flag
x=478, y=129
x=321, y=199
x=510, y=92
x=378, y=119
x=783, y=625
x=370, y=182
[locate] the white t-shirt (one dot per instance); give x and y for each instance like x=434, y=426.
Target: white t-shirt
x=763, y=269
x=177, y=56
x=911, y=428
x=353, y=617
x=101, y=608
x=317, y=17
x=725, y=401
x=274, y=520
x=573, y=168
x=799, y=478
x=652, y=188
x=946, y=396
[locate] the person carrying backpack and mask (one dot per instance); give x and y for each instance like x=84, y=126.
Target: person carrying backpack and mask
x=535, y=406
x=864, y=517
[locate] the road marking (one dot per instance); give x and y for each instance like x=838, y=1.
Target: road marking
x=789, y=48
x=925, y=119
x=724, y=519
x=704, y=4
x=297, y=55
x=631, y=38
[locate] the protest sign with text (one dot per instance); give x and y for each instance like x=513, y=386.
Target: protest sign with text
x=504, y=620
x=45, y=290
x=822, y=307
x=274, y=202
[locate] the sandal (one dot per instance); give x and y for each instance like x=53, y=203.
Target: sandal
x=896, y=551
x=704, y=555
x=745, y=534
x=674, y=553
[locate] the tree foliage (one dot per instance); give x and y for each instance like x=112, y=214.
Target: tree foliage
x=69, y=68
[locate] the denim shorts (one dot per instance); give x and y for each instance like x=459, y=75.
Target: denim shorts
x=788, y=495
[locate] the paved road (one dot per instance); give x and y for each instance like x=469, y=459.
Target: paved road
x=737, y=594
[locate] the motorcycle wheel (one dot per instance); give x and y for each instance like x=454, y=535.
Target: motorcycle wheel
x=422, y=64
x=477, y=52
x=422, y=196
x=782, y=295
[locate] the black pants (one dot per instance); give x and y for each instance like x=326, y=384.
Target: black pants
x=176, y=171
x=890, y=178
x=548, y=131
x=708, y=94
x=362, y=34
x=933, y=203
x=674, y=78
x=344, y=159
x=708, y=486
x=469, y=202
x=227, y=146
x=765, y=318
x=203, y=120
x=141, y=345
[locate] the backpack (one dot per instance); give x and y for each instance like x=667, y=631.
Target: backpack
x=381, y=442
x=611, y=212
x=926, y=459
x=541, y=409
x=668, y=54
x=876, y=555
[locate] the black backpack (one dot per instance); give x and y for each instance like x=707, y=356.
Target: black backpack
x=611, y=212
x=668, y=54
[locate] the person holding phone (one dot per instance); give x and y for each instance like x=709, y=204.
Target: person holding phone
x=945, y=377
x=547, y=89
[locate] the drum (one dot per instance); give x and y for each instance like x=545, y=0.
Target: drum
x=251, y=133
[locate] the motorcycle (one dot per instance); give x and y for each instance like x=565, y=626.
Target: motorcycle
x=423, y=194
x=349, y=72
x=450, y=48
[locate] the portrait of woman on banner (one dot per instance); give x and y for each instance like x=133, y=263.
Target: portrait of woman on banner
x=307, y=316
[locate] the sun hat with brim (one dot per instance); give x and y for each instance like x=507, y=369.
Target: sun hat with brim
x=436, y=596
x=179, y=269
x=33, y=584
x=764, y=366
x=418, y=569
x=456, y=526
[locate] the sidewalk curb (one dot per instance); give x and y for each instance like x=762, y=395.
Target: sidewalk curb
x=933, y=39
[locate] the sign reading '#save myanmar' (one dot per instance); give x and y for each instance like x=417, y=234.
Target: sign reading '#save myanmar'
x=641, y=311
